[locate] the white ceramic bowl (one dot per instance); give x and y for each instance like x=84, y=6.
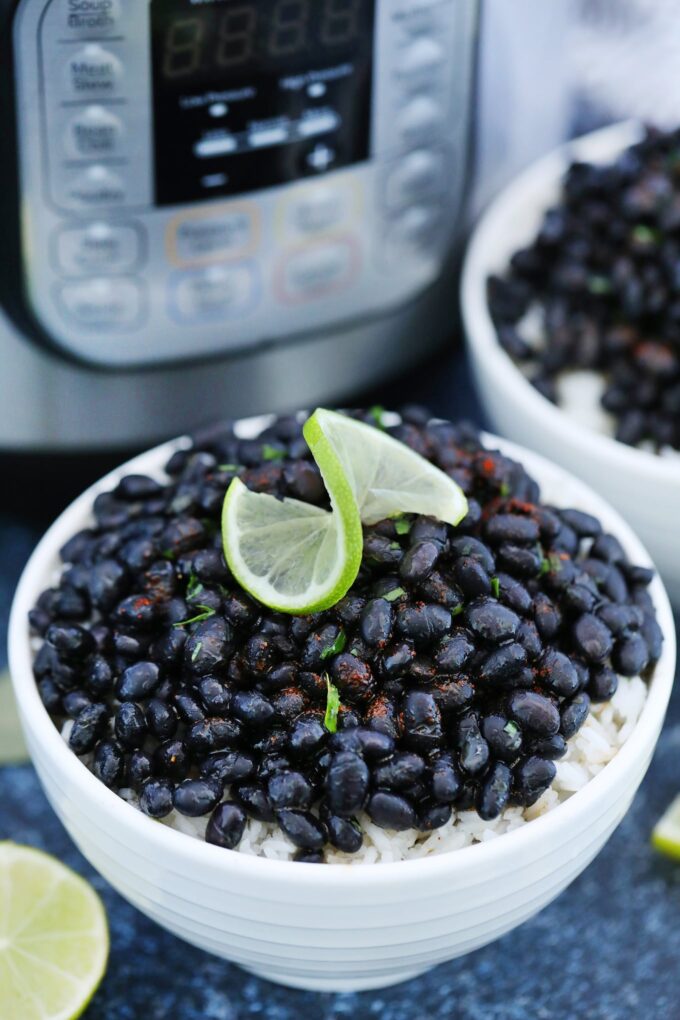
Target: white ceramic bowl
x=645, y=488
x=331, y=927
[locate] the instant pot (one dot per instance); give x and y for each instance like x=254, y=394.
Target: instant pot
x=220, y=206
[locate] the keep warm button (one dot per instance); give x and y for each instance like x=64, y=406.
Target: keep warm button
x=317, y=271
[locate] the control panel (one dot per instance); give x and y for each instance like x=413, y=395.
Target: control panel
x=203, y=176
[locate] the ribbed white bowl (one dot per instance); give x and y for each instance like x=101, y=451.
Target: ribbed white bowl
x=331, y=927
x=645, y=488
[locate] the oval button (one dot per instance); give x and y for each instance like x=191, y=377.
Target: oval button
x=217, y=292
x=112, y=248
x=89, y=17
x=418, y=175
x=103, y=303
x=211, y=237
x=97, y=186
x=94, y=132
x=93, y=72
x=318, y=270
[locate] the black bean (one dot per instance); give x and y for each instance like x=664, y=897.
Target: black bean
x=156, y=798
x=215, y=695
x=376, y=622
x=139, y=769
x=513, y=594
x=50, y=696
x=503, y=664
x=453, y=652
x=512, y=528
x=88, y=728
x=396, y=658
x=253, y=798
x=303, y=829
x=547, y=616
x=608, y=548
x=108, y=763
x=170, y=759
x=390, y=811
x=70, y=640
x=592, y=638
x=289, y=790
x=618, y=618
x=472, y=747
x=550, y=747
x=347, y=783
x=494, y=792
x=446, y=781
x=432, y=815
x=228, y=766
x=534, y=711
x=585, y=525
x=574, y=713
x=130, y=725
x=353, y=678
x=161, y=719
x=196, y=797
x=603, y=684
x=531, y=778
x=138, y=681
x=471, y=576
x=503, y=736
x=579, y=599
x=309, y=857
x=227, y=825
x=208, y=647
x=653, y=635
x=558, y=673
x=307, y=736
x=253, y=709
x=492, y=621
x=73, y=702
x=520, y=560
x=188, y=707
x=344, y=834
x=469, y=547
x=452, y=695
x=631, y=655
x=419, y=561
x=373, y=746
x=422, y=721
x=424, y=623
x=529, y=638
x=212, y=734
x=399, y=772
x=426, y=529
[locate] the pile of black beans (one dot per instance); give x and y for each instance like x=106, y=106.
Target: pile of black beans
x=604, y=270
x=465, y=658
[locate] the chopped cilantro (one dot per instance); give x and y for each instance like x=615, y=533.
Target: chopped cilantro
x=194, y=587
x=599, y=285
x=377, y=413
x=197, y=651
x=394, y=545
x=402, y=525
x=332, y=706
x=230, y=467
x=495, y=587
x=645, y=235
x=168, y=554
x=511, y=729
x=337, y=646
x=271, y=453
x=505, y=490
x=545, y=567
x=394, y=594
x=457, y=610
x=205, y=614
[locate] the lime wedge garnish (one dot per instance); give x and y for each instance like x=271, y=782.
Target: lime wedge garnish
x=54, y=939
x=385, y=475
x=297, y=558
x=12, y=746
x=666, y=833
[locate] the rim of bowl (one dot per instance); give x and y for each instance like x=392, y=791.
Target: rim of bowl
x=597, y=146
x=38, y=573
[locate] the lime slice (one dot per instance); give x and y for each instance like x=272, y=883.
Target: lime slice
x=666, y=834
x=289, y=555
x=54, y=940
x=386, y=477
x=12, y=746
x=298, y=558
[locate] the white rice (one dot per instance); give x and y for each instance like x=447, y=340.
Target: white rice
x=606, y=729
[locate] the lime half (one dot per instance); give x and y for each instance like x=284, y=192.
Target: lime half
x=298, y=558
x=385, y=475
x=54, y=939
x=666, y=834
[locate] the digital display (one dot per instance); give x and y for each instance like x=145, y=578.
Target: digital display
x=248, y=95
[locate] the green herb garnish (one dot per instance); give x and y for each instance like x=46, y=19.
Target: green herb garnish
x=402, y=525
x=194, y=587
x=599, y=285
x=332, y=706
x=495, y=587
x=271, y=453
x=230, y=467
x=505, y=490
x=205, y=614
x=511, y=729
x=457, y=610
x=545, y=567
x=197, y=651
x=337, y=646
x=645, y=235
x=394, y=594
x=377, y=414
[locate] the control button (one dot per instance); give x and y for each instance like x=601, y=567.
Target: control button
x=418, y=229
x=97, y=186
x=420, y=119
x=214, y=236
x=98, y=247
x=402, y=7
x=319, y=210
x=320, y=158
x=421, y=56
x=102, y=303
x=318, y=122
x=418, y=175
x=215, y=145
x=318, y=270
x=90, y=17
x=93, y=71
x=265, y=137
x=217, y=292
x=94, y=131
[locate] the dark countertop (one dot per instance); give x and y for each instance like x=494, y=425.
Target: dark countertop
x=607, y=949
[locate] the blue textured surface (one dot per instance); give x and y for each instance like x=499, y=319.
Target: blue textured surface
x=607, y=949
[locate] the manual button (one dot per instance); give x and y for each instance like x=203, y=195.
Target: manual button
x=103, y=303
x=97, y=247
x=93, y=71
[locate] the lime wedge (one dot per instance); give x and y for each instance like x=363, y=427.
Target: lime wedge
x=297, y=558
x=666, y=834
x=385, y=475
x=12, y=746
x=54, y=939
